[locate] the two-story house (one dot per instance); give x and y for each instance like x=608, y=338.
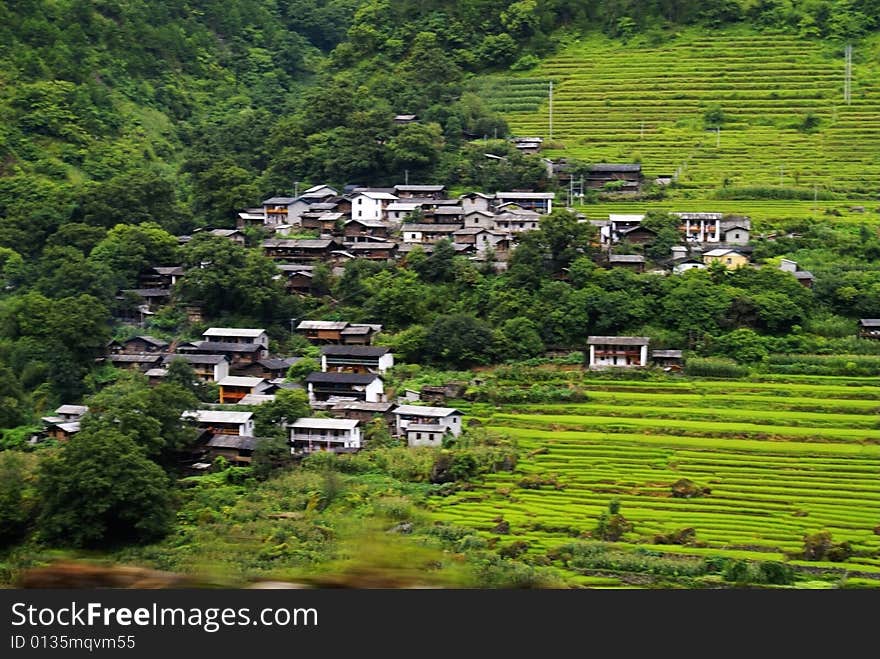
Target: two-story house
x=356, y=359
x=426, y=426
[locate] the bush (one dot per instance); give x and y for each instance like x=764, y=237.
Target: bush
x=712, y=367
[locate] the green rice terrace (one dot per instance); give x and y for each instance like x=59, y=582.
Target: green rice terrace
x=785, y=123
x=764, y=464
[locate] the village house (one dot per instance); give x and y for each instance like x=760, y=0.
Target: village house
x=222, y=422
x=479, y=219
x=270, y=368
x=150, y=298
x=310, y=434
x=427, y=233
x=359, y=334
x=233, y=388
x=516, y=220
x=421, y=191
x=322, y=331
x=364, y=412
x=323, y=221
x=736, y=231
x=208, y=368
x=481, y=240
x=403, y=119
x=700, y=227
x=256, y=399
x=237, y=335
x=236, y=449
x=160, y=277
x=233, y=235
x=367, y=387
x=668, y=360
x=364, y=231
x=62, y=430
x=729, y=258
x=137, y=345
x=617, y=351
x=426, y=426
x=398, y=211
x=297, y=277
x=683, y=265
x=804, y=277
x=634, y=262
x=250, y=217
x=141, y=362
x=611, y=231
x=540, y=202
x=370, y=205
x=608, y=176
x=238, y=354
x=305, y=249
x=356, y=359
x=373, y=251
x=476, y=201
x=65, y=422
x=283, y=210
x=528, y=145
x=869, y=328
x=450, y=214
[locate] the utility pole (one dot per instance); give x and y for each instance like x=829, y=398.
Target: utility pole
x=570, y=190
x=295, y=189
x=847, y=81
x=406, y=177
x=550, y=136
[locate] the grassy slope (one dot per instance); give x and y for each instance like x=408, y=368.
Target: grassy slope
x=765, y=495
x=635, y=102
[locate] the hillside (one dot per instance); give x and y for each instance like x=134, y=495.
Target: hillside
x=784, y=120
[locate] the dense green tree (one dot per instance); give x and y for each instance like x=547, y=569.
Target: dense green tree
x=18, y=500
x=460, y=341
x=101, y=489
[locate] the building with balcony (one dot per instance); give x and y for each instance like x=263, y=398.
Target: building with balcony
x=617, y=351
x=356, y=359
x=311, y=434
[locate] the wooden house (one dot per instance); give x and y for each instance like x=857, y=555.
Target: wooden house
x=234, y=388
x=358, y=386
x=869, y=328
x=623, y=177
x=137, y=345
x=237, y=449
x=356, y=359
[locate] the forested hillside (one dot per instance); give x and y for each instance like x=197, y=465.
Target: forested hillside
x=128, y=128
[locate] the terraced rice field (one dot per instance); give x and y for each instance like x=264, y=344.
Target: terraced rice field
x=781, y=460
x=616, y=102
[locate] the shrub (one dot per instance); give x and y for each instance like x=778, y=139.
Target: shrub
x=713, y=367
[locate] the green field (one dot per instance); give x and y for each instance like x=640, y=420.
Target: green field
x=781, y=461
x=637, y=102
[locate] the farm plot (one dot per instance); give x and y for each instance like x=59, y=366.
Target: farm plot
x=784, y=120
x=771, y=469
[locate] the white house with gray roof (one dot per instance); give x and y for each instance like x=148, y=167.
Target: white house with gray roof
x=618, y=351
x=237, y=335
x=440, y=419
x=310, y=434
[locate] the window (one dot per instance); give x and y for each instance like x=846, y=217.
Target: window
x=418, y=435
x=729, y=260
x=737, y=236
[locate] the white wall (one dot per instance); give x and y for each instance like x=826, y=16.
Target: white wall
x=425, y=439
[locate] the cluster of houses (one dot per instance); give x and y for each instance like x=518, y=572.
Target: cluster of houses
x=706, y=239
x=348, y=389
x=384, y=224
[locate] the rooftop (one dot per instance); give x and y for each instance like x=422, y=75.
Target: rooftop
x=233, y=441
x=618, y=340
x=322, y=325
x=361, y=406
x=311, y=422
x=342, y=378
x=72, y=409
x=218, y=416
x=613, y=167
x=424, y=410
x=234, y=331
x=424, y=427
x=355, y=351
x=195, y=359
x=221, y=347
x=420, y=188
x=525, y=195
x=238, y=381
